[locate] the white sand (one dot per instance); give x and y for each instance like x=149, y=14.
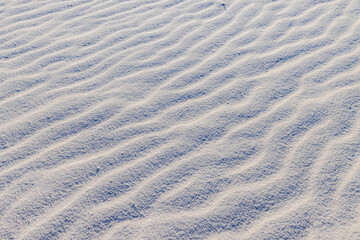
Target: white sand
x=180, y=119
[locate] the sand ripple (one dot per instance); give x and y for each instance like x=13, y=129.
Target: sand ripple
x=179, y=119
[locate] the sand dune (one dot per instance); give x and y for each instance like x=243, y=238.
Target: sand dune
x=179, y=119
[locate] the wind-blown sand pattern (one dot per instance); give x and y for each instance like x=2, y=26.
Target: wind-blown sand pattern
x=180, y=119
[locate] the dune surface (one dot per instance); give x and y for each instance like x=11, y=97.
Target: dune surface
x=180, y=119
